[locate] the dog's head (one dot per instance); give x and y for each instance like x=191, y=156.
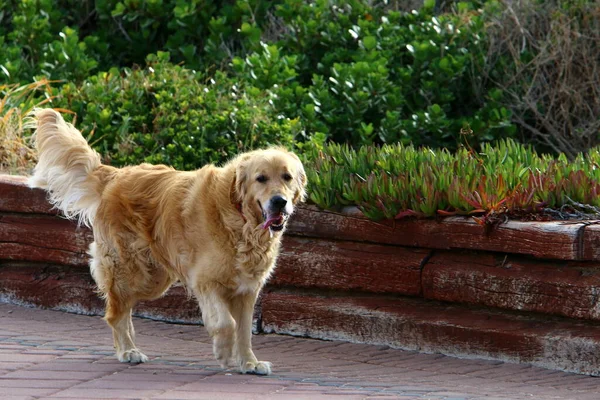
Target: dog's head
x=269, y=183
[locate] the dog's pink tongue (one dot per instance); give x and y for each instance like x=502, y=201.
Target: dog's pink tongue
x=271, y=220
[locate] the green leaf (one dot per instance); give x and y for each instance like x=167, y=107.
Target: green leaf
x=370, y=42
x=118, y=10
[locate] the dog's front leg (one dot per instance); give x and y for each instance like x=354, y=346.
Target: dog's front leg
x=242, y=309
x=219, y=323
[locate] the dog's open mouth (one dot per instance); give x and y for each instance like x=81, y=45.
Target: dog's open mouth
x=275, y=221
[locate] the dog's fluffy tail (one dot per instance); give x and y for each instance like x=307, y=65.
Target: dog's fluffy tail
x=65, y=166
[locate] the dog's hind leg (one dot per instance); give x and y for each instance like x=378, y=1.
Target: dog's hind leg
x=118, y=316
x=118, y=303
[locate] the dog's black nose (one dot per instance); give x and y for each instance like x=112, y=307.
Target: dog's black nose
x=278, y=202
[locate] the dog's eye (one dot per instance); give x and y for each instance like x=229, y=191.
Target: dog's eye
x=261, y=179
x=287, y=177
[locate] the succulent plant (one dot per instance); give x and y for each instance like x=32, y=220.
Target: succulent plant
x=396, y=181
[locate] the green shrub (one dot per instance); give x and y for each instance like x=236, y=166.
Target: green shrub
x=69, y=39
x=357, y=71
x=165, y=113
x=361, y=73
x=36, y=43
x=199, y=33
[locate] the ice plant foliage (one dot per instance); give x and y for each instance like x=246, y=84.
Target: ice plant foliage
x=395, y=181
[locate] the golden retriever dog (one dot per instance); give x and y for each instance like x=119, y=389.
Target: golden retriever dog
x=217, y=230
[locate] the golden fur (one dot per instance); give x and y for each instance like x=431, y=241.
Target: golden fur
x=216, y=229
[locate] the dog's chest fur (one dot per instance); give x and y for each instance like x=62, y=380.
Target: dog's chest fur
x=247, y=267
x=255, y=260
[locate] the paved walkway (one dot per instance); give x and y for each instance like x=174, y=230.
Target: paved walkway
x=55, y=355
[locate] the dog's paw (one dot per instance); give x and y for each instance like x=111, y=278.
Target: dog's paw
x=133, y=356
x=258, y=368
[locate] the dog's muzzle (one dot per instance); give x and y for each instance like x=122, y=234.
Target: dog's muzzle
x=276, y=213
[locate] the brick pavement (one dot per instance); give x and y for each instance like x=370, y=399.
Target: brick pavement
x=54, y=355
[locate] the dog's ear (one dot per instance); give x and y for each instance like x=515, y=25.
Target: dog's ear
x=300, y=194
x=234, y=196
x=238, y=183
